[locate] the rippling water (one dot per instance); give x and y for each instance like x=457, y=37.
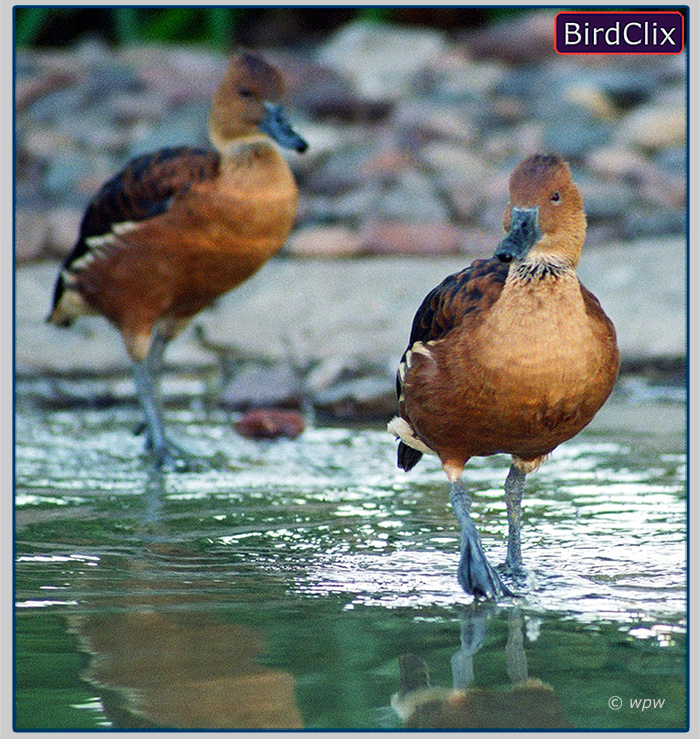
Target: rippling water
x=310, y=583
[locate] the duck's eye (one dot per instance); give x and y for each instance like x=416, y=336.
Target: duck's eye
x=245, y=92
x=555, y=197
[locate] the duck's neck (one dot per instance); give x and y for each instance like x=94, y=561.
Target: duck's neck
x=539, y=266
x=241, y=145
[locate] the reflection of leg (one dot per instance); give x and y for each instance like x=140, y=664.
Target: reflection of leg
x=516, y=660
x=472, y=634
x=475, y=574
x=515, y=482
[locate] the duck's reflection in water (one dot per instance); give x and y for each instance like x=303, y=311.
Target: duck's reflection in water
x=157, y=660
x=184, y=670
x=525, y=703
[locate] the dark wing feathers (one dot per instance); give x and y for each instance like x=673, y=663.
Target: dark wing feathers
x=143, y=189
x=475, y=288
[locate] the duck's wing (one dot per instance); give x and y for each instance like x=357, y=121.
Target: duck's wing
x=475, y=288
x=145, y=188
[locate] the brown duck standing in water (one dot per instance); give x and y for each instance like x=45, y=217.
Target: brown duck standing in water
x=181, y=226
x=511, y=355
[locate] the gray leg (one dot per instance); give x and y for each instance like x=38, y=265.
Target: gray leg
x=168, y=456
x=147, y=377
x=515, y=482
x=475, y=574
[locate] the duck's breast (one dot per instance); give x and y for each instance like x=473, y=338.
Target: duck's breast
x=526, y=375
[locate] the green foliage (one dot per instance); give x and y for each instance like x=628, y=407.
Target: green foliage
x=212, y=26
x=218, y=27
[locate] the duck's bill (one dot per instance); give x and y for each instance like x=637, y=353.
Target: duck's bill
x=277, y=127
x=523, y=235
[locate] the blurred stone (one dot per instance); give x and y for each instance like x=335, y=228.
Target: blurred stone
x=461, y=172
x=66, y=172
x=325, y=93
x=386, y=237
x=612, y=162
x=185, y=125
x=324, y=242
x=52, y=106
x=352, y=207
x=602, y=233
x=31, y=232
x=413, y=197
x=625, y=278
x=592, y=98
x=673, y=160
x=268, y=387
x=661, y=189
x=640, y=224
x=380, y=59
x=572, y=131
x=365, y=397
x=605, y=199
x=63, y=225
x=629, y=84
x=387, y=164
x=654, y=128
x=419, y=122
x=45, y=141
x=29, y=89
x=525, y=39
x=454, y=75
x=342, y=169
x=517, y=142
x=270, y=423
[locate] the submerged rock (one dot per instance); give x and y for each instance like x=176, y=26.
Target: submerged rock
x=270, y=423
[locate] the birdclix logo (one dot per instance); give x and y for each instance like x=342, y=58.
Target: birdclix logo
x=619, y=32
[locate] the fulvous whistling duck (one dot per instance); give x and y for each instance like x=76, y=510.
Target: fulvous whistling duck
x=177, y=228
x=511, y=355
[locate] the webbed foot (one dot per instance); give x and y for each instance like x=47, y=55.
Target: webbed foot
x=475, y=573
x=169, y=457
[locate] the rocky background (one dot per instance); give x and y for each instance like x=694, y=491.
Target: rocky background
x=413, y=133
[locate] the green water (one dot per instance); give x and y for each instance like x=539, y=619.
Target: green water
x=287, y=586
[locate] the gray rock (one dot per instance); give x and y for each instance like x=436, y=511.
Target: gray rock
x=605, y=200
x=365, y=397
x=185, y=126
x=66, y=173
x=374, y=56
x=263, y=387
x=673, y=160
x=654, y=223
x=411, y=197
x=572, y=130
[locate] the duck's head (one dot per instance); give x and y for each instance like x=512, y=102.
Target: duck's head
x=247, y=104
x=544, y=218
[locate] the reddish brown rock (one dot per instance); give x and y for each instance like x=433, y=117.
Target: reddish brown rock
x=389, y=237
x=270, y=423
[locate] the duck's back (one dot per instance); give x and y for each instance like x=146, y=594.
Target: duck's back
x=178, y=228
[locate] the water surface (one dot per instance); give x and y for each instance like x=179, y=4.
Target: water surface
x=310, y=583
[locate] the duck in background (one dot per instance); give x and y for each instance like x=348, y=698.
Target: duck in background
x=177, y=228
x=511, y=355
